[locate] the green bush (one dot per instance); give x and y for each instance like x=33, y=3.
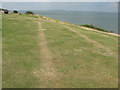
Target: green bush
x=15, y=11
x=2, y=9
x=6, y=11
x=29, y=12
x=93, y=27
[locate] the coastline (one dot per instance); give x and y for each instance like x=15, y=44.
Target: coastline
x=67, y=23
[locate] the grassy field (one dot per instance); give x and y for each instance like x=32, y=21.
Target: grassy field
x=42, y=54
x=1, y=59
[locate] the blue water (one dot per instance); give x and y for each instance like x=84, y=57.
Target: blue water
x=105, y=20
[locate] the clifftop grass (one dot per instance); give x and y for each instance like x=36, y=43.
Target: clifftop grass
x=79, y=58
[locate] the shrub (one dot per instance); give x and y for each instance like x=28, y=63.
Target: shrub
x=29, y=12
x=111, y=31
x=15, y=11
x=93, y=27
x=2, y=9
x=6, y=11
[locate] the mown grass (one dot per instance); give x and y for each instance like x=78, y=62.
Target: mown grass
x=21, y=54
x=77, y=62
x=104, y=39
x=82, y=64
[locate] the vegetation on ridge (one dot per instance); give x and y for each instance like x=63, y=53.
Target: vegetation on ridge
x=93, y=27
x=29, y=12
x=15, y=11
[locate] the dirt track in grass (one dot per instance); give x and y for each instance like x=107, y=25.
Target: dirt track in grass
x=108, y=52
x=47, y=72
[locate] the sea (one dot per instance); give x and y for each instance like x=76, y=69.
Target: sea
x=104, y=20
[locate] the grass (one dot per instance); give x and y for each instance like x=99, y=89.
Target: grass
x=94, y=27
x=77, y=62
x=104, y=39
x=21, y=53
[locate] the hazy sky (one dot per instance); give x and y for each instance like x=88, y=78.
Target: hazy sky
x=81, y=6
x=59, y=0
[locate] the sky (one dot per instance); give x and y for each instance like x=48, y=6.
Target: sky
x=71, y=6
x=60, y=0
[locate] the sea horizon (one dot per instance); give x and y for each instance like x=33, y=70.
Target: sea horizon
x=104, y=20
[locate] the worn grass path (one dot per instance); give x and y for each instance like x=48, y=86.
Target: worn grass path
x=95, y=43
x=47, y=68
